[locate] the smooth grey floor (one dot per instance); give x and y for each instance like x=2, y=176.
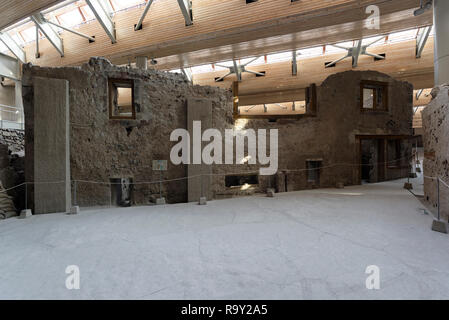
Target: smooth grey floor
x=300, y=245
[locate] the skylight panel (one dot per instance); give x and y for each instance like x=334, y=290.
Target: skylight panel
x=402, y=36
x=311, y=52
x=29, y=34
x=121, y=5
x=71, y=18
x=87, y=13
x=279, y=57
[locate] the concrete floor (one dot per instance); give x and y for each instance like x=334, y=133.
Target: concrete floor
x=300, y=245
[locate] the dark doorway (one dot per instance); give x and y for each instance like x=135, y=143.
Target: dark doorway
x=372, y=154
x=121, y=191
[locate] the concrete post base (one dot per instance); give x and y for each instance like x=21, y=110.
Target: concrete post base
x=408, y=186
x=340, y=185
x=160, y=201
x=74, y=210
x=439, y=226
x=270, y=192
x=203, y=201
x=25, y=214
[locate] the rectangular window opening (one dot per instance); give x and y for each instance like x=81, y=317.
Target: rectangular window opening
x=374, y=96
x=239, y=181
x=121, y=99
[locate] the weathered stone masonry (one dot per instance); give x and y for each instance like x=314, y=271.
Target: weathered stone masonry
x=436, y=148
x=102, y=149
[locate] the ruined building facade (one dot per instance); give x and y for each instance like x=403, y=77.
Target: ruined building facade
x=436, y=150
x=108, y=124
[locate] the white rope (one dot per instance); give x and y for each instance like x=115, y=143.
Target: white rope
x=211, y=174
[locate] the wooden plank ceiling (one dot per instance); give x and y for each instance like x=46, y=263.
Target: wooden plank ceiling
x=279, y=85
x=226, y=29
x=12, y=11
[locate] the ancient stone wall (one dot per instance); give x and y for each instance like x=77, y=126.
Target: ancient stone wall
x=436, y=148
x=331, y=135
x=14, y=139
x=103, y=149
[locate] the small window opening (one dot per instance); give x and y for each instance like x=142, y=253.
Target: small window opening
x=374, y=96
x=121, y=99
x=238, y=181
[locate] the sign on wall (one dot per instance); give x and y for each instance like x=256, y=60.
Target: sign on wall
x=160, y=165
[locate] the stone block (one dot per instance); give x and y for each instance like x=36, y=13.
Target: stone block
x=74, y=210
x=439, y=226
x=340, y=185
x=270, y=192
x=160, y=201
x=408, y=186
x=203, y=201
x=25, y=214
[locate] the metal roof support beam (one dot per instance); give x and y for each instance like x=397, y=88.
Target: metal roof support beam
x=419, y=93
x=421, y=40
x=13, y=46
x=91, y=39
x=144, y=14
x=188, y=74
x=49, y=32
x=103, y=12
x=9, y=67
x=237, y=70
x=187, y=12
x=294, y=64
x=38, y=54
x=357, y=50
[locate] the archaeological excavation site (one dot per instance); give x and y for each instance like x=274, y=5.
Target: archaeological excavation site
x=224, y=150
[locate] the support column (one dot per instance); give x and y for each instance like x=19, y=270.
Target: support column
x=142, y=63
x=441, y=23
x=51, y=146
x=198, y=186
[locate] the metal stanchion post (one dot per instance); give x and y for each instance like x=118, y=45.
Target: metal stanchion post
x=438, y=197
x=203, y=199
x=74, y=209
x=160, y=184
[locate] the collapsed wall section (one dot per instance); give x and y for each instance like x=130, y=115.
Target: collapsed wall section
x=102, y=149
x=436, y=149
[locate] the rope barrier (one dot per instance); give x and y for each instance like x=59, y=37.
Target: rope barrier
x=218, y=174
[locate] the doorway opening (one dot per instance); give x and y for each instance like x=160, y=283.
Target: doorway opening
x=121, y=191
